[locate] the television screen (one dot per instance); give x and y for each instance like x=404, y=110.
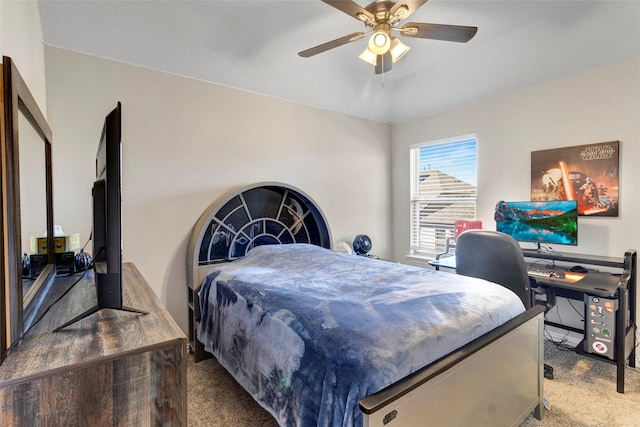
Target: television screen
x=107, y=232
x=107, y=217
x=554, y=222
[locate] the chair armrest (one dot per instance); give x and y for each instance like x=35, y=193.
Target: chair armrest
x=449, y=245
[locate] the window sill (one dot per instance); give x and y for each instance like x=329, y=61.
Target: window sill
x=419, y=260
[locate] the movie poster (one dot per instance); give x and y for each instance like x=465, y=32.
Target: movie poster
x=586, y=173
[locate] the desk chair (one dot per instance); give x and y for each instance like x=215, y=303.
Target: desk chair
x=497, y=257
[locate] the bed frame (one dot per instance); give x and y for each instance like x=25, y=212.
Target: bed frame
x=496, y=379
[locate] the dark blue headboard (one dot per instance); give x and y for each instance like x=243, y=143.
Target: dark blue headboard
x=261, y=214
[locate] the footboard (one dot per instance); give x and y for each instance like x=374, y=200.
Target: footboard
x=494, y=380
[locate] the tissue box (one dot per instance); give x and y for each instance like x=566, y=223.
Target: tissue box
x=68, y=243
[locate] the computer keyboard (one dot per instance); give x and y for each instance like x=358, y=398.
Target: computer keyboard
x=543, y=271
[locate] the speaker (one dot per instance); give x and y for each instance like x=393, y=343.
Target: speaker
x=26, y=265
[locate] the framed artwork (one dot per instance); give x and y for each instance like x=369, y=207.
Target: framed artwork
x=586, y=173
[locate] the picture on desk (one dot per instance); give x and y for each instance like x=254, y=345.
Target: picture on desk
x=588, y=174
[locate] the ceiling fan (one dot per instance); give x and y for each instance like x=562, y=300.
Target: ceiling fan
x=382, y=17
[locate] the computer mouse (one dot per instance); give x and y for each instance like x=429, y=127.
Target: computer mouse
x=578, y=269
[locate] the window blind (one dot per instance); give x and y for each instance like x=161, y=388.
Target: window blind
x=443, y=190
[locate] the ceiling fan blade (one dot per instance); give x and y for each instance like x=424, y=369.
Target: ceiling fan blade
x=330, y=45
x=383, y=63
x=351, y=8
x=411, y=6
x=451, y=33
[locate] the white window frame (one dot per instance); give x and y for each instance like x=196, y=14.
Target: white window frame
x=427, y=240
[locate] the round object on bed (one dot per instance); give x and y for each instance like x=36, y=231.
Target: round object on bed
x=362, y=244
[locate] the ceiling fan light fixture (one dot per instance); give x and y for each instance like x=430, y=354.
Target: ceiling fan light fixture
x=368, y=56
x=381, y=63
x=380, y=42
x=398, y=49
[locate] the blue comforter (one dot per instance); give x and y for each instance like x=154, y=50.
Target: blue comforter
x=309, y=332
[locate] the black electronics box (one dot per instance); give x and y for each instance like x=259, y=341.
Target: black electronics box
x=37, y=264
x=65, y=263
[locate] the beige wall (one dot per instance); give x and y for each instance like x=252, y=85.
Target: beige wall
x=186, y=143
x=21, y=39
x=602, y=105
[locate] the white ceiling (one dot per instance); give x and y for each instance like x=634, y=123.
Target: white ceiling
x=253, y=45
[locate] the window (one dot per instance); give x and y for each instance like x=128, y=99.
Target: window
x=443, y=190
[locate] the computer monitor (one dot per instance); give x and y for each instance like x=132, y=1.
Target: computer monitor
x=541, y=222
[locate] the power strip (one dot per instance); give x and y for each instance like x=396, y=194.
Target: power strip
x=557, y=335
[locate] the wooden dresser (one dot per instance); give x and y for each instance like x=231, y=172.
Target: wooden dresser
x=113, y=368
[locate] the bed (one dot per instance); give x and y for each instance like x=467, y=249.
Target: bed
x=329, y=339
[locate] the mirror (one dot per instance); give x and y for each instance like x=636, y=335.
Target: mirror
x=26, y=206
x=33, y=199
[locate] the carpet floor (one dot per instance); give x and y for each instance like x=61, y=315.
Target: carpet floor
x=583, y=393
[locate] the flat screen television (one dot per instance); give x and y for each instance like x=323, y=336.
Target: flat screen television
x=541, y=222
x=107, y=213
x=107, y=219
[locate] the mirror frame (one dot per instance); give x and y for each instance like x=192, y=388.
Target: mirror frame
x=17, y=98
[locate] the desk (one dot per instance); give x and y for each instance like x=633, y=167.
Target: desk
x=619, y=287
x=448, y=261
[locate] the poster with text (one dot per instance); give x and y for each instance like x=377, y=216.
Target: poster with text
x=586, y=173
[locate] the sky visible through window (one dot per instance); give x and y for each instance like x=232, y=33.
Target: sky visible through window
x=453, y=158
